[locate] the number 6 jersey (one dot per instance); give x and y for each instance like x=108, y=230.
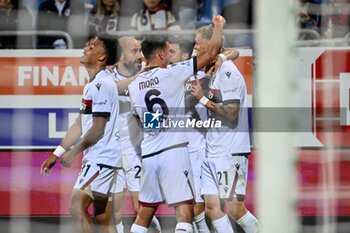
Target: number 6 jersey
x=157, y=98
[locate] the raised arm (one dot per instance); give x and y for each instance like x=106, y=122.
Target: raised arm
x=214, y=44
x=123, y=84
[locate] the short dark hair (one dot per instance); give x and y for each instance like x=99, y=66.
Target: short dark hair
x=111, y=48
x=151, y=44
x=185, y=45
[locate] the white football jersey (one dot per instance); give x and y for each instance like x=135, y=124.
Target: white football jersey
x=228, y=86
x=129, y=129
x=161, y=91
x=100, y=98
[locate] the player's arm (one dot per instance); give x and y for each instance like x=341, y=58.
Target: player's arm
x=228, y=111
x=92, y=136
x=230, y=54
x=123, y=84
x=226, y=54
x=214, y=44
x=73, y=134
x=138, y=120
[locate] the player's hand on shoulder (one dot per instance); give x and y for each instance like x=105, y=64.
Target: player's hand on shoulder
x=46, y=166
x=214, y=68
x=218, y=20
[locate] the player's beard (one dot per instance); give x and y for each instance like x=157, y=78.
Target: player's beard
x=133, y=67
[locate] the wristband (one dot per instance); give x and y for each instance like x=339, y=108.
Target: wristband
x=59, y=151
x=204, y=100
x=223, y=57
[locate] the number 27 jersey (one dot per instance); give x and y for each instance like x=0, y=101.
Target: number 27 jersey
x=160, y=90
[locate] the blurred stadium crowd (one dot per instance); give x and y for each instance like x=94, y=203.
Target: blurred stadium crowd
x=42, y=24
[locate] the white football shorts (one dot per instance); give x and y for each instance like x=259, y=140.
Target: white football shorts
x=241, y=164
x=129, y=176
x=167, y=177
x=219, y=177
x=196, y=158
x=96, y=180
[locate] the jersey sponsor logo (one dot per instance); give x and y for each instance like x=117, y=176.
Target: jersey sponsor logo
x=228, y=74
x=152, y=120
x=100, y=103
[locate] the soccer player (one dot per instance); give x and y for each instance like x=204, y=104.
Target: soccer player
x=130, y=134
x=224, y=171
x=181, y=49
x=97, y=124
x=156, y=93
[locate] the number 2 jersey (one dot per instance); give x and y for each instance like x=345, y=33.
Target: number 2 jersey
x=161, y=89
x=130, y=135
x=100, y=99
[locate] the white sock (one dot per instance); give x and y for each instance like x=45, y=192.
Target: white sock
x=138, y=229
x=155, y=225
x=200, y=223
x=223, y=225
x=182, y=227
x=120, y=227
x=249, y=223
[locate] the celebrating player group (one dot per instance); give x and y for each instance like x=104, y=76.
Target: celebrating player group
x=137, y=89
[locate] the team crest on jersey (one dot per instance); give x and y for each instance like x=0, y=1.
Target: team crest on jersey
x=152, y=120
x=188, y=87
x=98, y=86
x=215, y=95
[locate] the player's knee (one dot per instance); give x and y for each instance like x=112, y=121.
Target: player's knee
x=103, y=218
x=117, y=216
x=117, y=213
x=136, y=207
x=75, y=211
x=212, y=211
x=198, y=208
x=236, y=209
x=184, y=213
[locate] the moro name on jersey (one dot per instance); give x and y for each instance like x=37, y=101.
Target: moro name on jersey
x=149, y=83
